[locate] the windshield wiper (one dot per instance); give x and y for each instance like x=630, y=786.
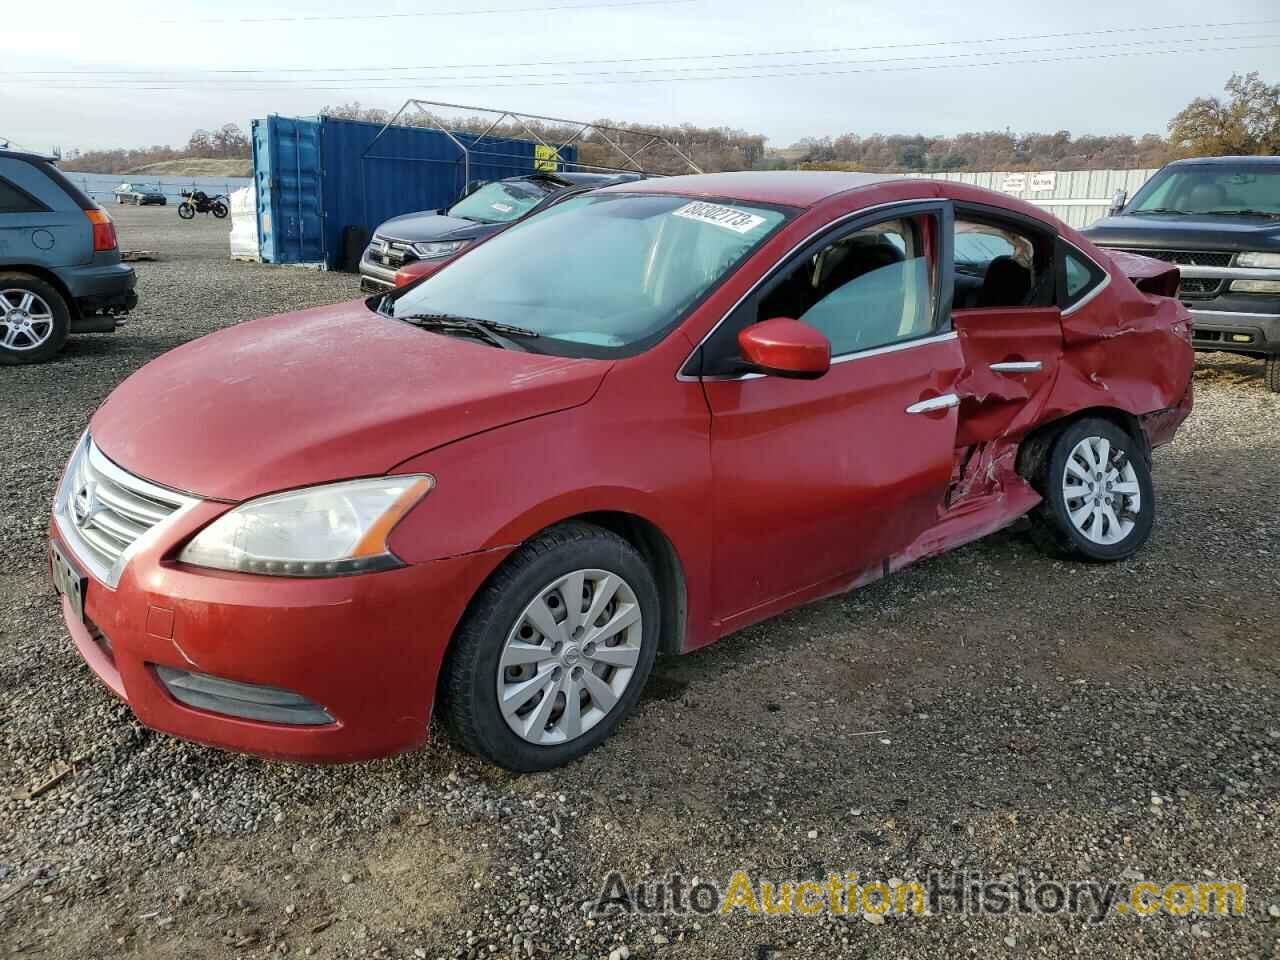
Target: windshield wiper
x=490, y=331
x=1242, y=213
x=1161, y=210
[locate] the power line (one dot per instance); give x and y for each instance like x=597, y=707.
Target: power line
x=595, y=74
x=534, y=82
x=321, y=18
x=701, y=56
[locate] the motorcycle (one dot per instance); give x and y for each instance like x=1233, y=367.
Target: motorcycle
x=198, y=201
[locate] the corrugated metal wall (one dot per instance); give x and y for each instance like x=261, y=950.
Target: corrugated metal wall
x=359, y=182
x=1077, y=197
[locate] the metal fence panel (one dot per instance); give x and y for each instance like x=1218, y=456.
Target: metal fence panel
x=1077, y=197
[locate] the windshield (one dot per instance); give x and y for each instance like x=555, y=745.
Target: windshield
x=503, y=201
x=600, y=274
x=1209, y=189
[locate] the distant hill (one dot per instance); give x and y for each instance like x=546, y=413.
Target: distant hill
x=197, y=167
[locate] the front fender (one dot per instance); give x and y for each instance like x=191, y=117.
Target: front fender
x=499, y=489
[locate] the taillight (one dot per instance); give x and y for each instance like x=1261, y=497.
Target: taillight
x=104, y=231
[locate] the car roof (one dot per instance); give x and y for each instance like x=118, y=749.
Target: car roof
x=793, y=188
x=1228, y=162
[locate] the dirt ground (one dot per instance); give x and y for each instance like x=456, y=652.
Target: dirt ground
x=992, y=712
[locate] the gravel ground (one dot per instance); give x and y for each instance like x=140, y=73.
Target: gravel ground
x=1032, y=717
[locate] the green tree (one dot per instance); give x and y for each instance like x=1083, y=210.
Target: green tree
x=1248, y=122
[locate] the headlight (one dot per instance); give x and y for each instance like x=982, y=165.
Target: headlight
x=1263, y=260
x=438, y=249
x=325, y=531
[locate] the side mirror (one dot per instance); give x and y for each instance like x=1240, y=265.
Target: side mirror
x=783, y=347
x=1118, y=201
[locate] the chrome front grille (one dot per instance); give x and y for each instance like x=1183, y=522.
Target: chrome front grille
x=104, y=512
x=1186, y=258
x=390, y=253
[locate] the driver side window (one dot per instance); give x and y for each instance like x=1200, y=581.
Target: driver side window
x=865, y=290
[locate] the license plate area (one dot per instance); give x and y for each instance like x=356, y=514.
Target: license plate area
x=68, y=581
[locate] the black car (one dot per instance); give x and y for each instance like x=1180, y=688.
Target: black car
x=142, y=196
x=485, y=210
x=1218, y=219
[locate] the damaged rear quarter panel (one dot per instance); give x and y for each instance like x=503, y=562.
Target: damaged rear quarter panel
x=1124, y=348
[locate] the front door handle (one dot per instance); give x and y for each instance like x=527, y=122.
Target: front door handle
x=1018, y=366
x=934, y=404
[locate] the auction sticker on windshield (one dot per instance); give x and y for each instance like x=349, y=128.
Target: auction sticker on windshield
x=739, y=221
x=502, y=207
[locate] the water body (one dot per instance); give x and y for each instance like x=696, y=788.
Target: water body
x=101, y=186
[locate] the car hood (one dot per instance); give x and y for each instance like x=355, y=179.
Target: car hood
x=321, y=395
x=1169, y=231
x=427, y=227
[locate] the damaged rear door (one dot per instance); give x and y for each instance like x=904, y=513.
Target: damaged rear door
x=1006, y=312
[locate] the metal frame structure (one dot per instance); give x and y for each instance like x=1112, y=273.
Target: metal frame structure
x=605, y=133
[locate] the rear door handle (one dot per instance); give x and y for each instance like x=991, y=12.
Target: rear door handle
x=1018, y=366
x=934, y=404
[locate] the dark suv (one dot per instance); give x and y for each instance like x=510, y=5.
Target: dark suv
x=60, y=269
x=419, y=242
x=1219, y=220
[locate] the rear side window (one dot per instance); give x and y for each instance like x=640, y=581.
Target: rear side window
x=1081, y=276
x=13, y=199
x=999, y=264
x=67, y=187
x=1078, y=277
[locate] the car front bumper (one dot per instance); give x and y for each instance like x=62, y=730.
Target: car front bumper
x=365, y=650
x=374, y=277
x=1239, y=331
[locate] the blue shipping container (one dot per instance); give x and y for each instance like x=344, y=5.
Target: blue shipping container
x=317, y=176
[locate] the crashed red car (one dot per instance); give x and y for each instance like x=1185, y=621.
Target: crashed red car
x=640, y=421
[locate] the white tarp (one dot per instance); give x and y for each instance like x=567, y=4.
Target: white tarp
x=244, y=224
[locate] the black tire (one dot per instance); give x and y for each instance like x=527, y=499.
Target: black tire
x=468, y=688
x=220, y=210
x=1272, y=375
x=1051, y=526
x=58, y=309
x=186, y=211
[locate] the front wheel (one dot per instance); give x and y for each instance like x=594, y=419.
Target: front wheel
x=1099, y=503
x=555, y=650
x=220, y=210
x=186, y=211
x=1273, y=374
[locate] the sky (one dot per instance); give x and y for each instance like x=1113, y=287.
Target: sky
x=83, y=74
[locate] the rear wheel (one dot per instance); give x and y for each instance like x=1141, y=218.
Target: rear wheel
x=34, y=319
x=1273, y=374
x=220, y=210
x=186, y=211
x=554, y=651
x=1099, y=503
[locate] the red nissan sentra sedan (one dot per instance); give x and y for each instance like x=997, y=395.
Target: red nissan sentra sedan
x=647, y=418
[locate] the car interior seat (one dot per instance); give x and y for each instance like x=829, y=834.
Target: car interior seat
x=1006, y=284
x=1206, y=196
